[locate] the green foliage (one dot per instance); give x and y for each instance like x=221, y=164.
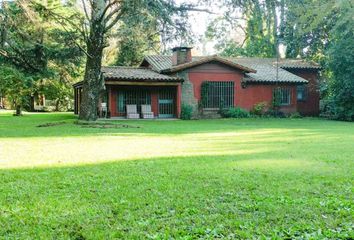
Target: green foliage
x=328, y=32
x=186, y=112
x=341, y=62
x=236, y=112
x=59, y=92
x=233, y=49
x=295, y=115
x=16, y=87
x=259, y=109
x=41, y=49
x=274, y=113
x=260, y=28
x=138, y=37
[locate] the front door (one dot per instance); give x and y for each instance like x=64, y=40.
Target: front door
x=167, y=104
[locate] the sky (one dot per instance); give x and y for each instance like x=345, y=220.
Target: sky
x=199, y=23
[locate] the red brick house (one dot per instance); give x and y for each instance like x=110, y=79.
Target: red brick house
x=208, y=83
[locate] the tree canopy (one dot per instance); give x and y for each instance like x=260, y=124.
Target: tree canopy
x=37, y=48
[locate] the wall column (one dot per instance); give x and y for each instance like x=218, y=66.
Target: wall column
x=178, y=99
x=187, y=93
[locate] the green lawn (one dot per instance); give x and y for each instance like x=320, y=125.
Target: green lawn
x=243, y=178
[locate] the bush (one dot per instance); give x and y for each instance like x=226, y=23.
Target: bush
x=186, y=112
x=49, y=108
x=275, y=113
x=329, y=109
x=234, y=113
x=295, y=115
x=259, y=109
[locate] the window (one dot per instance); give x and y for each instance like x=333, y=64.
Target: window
x=131, y=96
x=301, y=93
x=217, y=94
x=282, y=96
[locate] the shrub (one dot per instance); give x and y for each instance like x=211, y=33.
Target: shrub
x=186, y=112
x=275, y=113
x=295, y=115
x=234, y=113
x=329, y=109
x=48, y=108
x=259, y=109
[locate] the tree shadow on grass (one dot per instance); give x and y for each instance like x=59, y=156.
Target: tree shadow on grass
x=208, y=196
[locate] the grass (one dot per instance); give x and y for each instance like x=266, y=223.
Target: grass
x=245, y=178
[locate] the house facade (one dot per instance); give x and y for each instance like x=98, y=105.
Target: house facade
x=208, y=84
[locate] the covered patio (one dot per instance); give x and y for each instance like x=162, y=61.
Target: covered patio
x=136, y=87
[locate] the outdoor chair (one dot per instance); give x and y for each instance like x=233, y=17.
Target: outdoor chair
x=103, y=110
x=132, y=112
x=146, y=111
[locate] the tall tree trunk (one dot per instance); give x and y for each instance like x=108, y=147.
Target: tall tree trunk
x=3, y=30
x=93, y=84
x=269, y=22
x=275, y=26
x=57, y=103
x=282, y=19
x=18, y=110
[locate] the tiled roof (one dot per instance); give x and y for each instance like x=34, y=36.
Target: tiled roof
x=136, y=74
x=208, y=59
x=267, y=71
x=299, y=63
x=159, y=62
x=265, y=67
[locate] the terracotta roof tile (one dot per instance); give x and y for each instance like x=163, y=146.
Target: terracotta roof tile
x=208, y=59
x=267, y=71
x=265, y=67
x=136, y=74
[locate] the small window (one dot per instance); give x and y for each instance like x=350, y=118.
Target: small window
x=282, y=96
x=301, y=93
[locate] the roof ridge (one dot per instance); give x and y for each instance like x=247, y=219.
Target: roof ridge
x=206, y=60
x=158, y=55
x=126, y=67
x=239, y=57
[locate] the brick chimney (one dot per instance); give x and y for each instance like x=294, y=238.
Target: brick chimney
x=181, y=55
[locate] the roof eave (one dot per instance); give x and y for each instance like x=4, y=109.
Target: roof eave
x=144, y=79
x=275, y=82
x=317, y=68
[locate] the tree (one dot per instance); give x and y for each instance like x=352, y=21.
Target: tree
x=262, y=22
x=38, y=47
x=16, y=86
x=136, y=38
x=100, y=17
x=340, y=59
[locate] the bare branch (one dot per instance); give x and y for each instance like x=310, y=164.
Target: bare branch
x=114, y=22
x=192, y=9
x=105, y=10
x=85, y=10
x=111, y=14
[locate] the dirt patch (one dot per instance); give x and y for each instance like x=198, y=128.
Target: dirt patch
x=52, y=124
x=103, y=125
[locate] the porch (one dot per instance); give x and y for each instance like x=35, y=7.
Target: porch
x=135, y=86
x=163, y=99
